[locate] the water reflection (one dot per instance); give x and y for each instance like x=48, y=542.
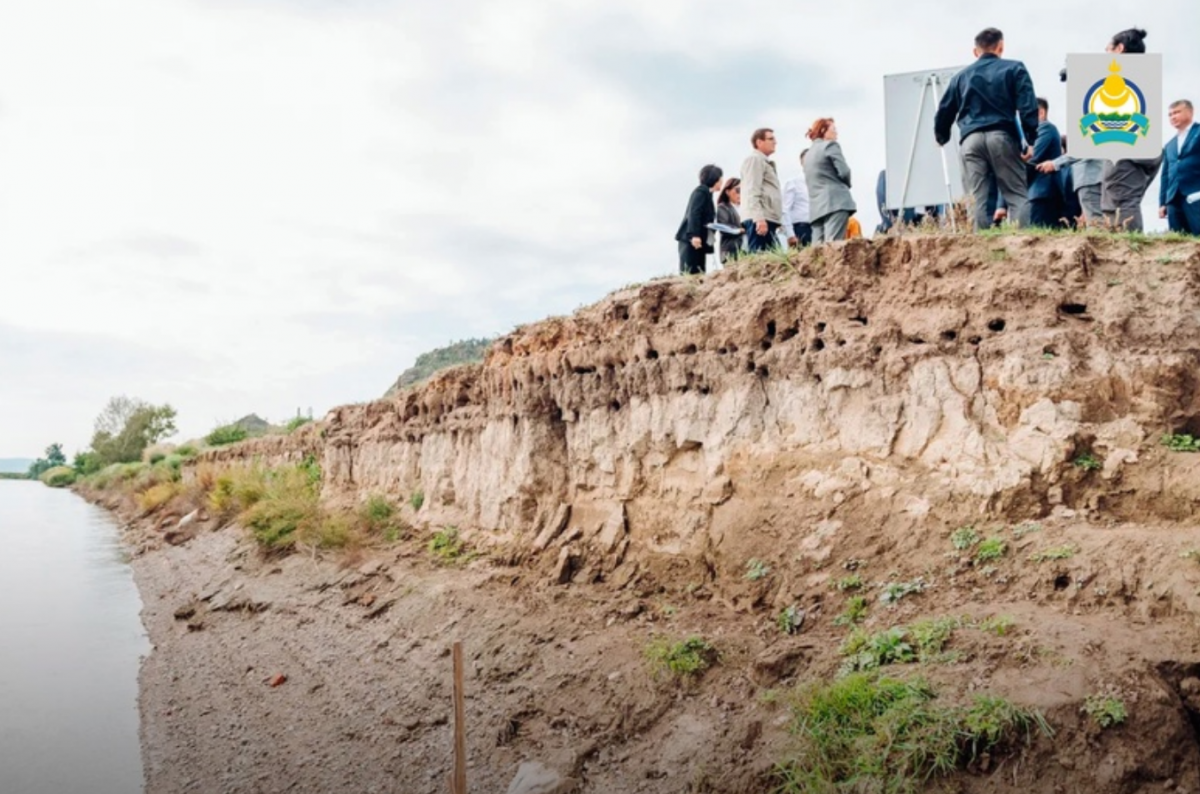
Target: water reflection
x=70, y=643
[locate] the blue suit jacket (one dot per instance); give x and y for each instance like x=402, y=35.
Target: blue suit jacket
x=1180, y=169
x=1047, y=146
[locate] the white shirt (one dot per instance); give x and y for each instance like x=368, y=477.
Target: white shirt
x=795, y=203
x=1182, y=136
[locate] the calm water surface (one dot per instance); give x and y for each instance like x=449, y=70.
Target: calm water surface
x=70, y=643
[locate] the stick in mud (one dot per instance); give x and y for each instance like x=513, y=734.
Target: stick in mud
x=459, y=781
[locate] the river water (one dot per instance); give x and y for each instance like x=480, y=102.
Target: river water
x=71, y=641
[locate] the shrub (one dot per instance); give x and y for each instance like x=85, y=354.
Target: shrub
x=1181, y=442
x=883, y=735
x=58, y=477
x=226, y=434
x=964, y=538
x=756, y=569
x=687, y=658
x=1105, y=711
x=156, y=496
x=445, y=544
x=378, y=516
x=1056, y=553
x=1087, y=462
x=416, y=500
x=851, y=582
x=856, y=610
x=187, y=451
x=281, y=504
x=991, y=549
x=296, y=423
x=894, y=591
x=790, y=620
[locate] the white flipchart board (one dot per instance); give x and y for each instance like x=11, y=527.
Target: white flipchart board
x=910, y=103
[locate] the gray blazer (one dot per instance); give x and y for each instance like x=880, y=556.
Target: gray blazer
x=1084, y=173
x=828, y=178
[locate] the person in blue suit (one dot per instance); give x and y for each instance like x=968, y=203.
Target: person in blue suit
x=1179, y=190
x=1045, y=197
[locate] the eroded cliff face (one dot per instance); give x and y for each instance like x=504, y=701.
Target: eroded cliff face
x=901, y=383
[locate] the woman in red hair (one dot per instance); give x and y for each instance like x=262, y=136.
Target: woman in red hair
x=828, y=177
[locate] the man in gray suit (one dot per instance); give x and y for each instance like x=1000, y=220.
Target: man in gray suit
x=762, y=195
x=986, y=99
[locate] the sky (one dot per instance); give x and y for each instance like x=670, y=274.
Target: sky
x=265, y=206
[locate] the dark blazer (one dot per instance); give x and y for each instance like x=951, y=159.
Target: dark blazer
x=731, y=244
x=699, y=213
x=1048, y=146
x=1181, y=169
x=990, y=94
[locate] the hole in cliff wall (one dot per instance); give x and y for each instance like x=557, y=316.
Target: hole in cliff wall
x=817, y=378
x=721, y=351
x=997, y=325
x=1073, y=308
x=841, y=343
x=860, y=320
x=789, y=334
x=975, y=340
x=749, y=365
x=770, y=329
x=615, y=405
x=622, y=313
x=584, y=370
x=763, y=372
x=705, y=390
x=690, y=350
x=1062, y=581
x=949, y=336
x=916, y=340
x=766, y=345
x=821, y=328
x=733, y=348
x=652, y=354
x=461, y=401
x=877, y=350
x=515, y=421
x=1049, y=350
x=818, y=345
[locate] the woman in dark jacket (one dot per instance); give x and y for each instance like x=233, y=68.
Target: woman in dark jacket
x=694, y=237
x=727, y=214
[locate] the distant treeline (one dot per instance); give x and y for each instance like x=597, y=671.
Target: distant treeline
x=468, y=351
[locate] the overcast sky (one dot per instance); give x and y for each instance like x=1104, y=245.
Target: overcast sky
x=242, y=206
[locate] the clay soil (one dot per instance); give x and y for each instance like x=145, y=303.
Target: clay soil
x=558, y=675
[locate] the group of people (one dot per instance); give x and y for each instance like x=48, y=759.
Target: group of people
x=1014, y=166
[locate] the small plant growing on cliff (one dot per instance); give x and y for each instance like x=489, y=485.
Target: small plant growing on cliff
x=1087, y=462
x=226, y=434
x=871, y=651
x=1000, y=625
x=790, y=620
x=757, y=569
x=378, y=516
x=416, y=500
x=445, y=544
x=991, y=549
x=851, y=582
x=1191, y=554
x=1106, y=711
x=1055, y=553
x=687, y=658
x=894, y=591
x=1021, y=530
x=856, y=610
x=296, y=423
x=1181, y=442
x=964, y=538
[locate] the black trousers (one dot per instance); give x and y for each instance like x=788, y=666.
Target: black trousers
x=1046, y=213
x=1183, y=217
x=691, y=260
x=803, y=233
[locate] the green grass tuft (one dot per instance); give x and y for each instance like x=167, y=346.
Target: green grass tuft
x=687, y=658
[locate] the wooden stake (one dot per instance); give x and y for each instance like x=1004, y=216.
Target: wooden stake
x=460, y=724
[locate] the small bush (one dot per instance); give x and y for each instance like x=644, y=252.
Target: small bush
x=999, y=625
x=416, y=500
x=1088, y=462
x=1056, y=553
x=757, y=569
x=296, y=422
x=281, y=506
x=687, y=658
x=1181, y=442
x=851, y=582
x=156, y=496
x=379, y=517
x=187, y=451
x=862, y=734
x=894, y=591
x=991, y=549
x=871, y=651
x=856, y=610
x=964, y=538
x=156, y=456
x=790, y=620
x=58, y=477
x=226, y=434
x=1105, y=711
x=445, y=544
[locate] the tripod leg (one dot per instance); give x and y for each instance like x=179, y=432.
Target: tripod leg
x=934, y=80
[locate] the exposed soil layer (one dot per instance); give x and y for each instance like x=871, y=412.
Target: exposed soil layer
x=691, y=457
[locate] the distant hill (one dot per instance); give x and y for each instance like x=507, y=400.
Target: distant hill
x=467, y=351
x=15, y=465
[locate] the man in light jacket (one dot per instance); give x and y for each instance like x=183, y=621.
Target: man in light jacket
x=1179, y=190
x=762, y=197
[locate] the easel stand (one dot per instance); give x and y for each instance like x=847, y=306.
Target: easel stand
x=932, y=85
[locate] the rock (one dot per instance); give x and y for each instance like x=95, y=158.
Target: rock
x=557, y=523
x=189, y=519
x=177, y=537
x=780, y=661
x=718, y=492
x=565, y=567
x=534, y=778
x=276, y=680
x=613, y=531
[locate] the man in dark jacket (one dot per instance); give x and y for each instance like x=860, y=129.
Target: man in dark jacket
x=1045, y=196
x=985, y=99
x=1179, y=191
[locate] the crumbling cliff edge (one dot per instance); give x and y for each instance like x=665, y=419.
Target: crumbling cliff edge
x=695, y=455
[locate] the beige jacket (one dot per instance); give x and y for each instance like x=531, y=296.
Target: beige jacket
x=762, y=195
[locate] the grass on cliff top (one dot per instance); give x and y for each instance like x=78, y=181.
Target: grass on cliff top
x=863, y=733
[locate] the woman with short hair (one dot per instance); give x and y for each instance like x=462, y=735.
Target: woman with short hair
x=828, y=178
x=694, y=237
x=727, y=214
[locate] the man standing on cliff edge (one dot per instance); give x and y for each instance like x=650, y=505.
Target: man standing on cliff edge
x=985, y=99
x=762, y=196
